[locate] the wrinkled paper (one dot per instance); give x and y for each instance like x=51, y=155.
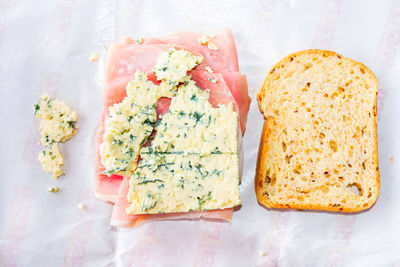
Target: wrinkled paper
x=45, y=46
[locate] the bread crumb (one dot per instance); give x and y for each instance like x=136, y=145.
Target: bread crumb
x=263, y=253
x=94, y=57
x=81, y=206
x=53, y=189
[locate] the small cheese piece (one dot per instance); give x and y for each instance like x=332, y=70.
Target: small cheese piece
x=181, y=183
x=58, y=120
x=139, y=40
x=205, y=40
x=81, y=206
x=209, y=69
x=94, y=57
x=53, y=189
x=52, y=160
x=172, y=66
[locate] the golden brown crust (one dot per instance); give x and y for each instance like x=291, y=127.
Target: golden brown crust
x=260, y=183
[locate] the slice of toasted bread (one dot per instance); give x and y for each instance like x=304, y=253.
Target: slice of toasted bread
x=318, y=148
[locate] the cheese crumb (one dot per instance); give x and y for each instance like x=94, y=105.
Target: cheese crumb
x=205, y=40
x=212, y=80
x=81, y=206
x=94, y=57
x=263, y=253
x=53, y=189
x=58, y=120
x=139, y=40
x=52, y=161
x=209, y=69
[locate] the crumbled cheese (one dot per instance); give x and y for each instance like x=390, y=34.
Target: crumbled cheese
x=94, y=57
x=58, y=120
x=52, y=160
x=129, y=125
x=212, y=80
x=53, y=189
x=263, y=253
x=139, y=40
x=209, y=69
x=205, y=40
x=172, y=66
x=81, y=206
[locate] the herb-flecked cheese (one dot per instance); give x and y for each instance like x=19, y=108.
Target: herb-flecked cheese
x=181, y=183
x=192, y=125
x=58, y=122
x=192, y=163
x=172, y=66
x=129, y=125
x=52, y=160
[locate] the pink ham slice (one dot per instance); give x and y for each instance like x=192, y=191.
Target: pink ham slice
x=123, y=61
x=222, y=60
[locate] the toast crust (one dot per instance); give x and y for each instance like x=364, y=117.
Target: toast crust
x=271, y=123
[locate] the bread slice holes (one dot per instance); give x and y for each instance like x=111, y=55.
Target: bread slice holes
x=308, y=109
x=308, y=84
x=333, y=145
x=344, y=118
x=341, y=90
x=276, y=112
x=288, y=158
x=300, y=198
x=284, y=147
x=362, y=71
x=334, y=95
x=365, y=204
x=335, y=171
x=307, y=66
x=355, y=188
x=369, y=194
x=297, y=170
x=326, y=95
x=322, y=135
x=351, y=71
x=363, y=164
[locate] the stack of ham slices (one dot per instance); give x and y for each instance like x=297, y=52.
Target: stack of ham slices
x=122, y=63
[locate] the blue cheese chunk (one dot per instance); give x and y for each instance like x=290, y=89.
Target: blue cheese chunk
x=127, y=128
x=181, y=183
x=172, y=66
x=192, y=125
x=192, y=163
x=129, y=125
x=52, y=160
x=58, y=122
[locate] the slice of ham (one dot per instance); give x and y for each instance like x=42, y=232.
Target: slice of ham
x=222, y=60
x=124, y=60
x=119, y=217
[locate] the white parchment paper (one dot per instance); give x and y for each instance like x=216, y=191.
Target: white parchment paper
x=45, y=46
